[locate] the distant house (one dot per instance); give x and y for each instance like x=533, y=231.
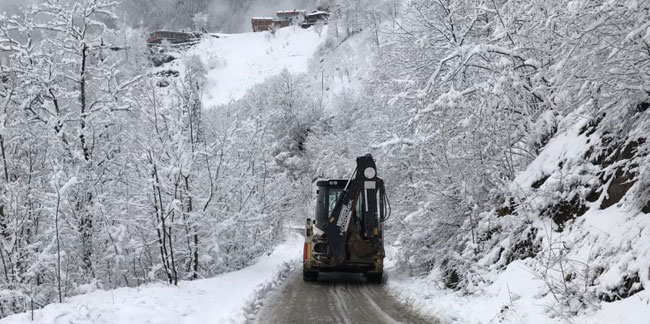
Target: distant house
x=286, y=18
x=314, y=17
x=172, y=37
x=262, y=23
x=291, y=16
x=281, y=23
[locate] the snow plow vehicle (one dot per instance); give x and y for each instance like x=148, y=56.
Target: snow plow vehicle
x=347, y=232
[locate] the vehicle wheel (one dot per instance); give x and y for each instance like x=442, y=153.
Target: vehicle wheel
x=310, y=276
x=374, y=277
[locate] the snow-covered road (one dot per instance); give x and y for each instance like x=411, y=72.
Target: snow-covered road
x=335, y=298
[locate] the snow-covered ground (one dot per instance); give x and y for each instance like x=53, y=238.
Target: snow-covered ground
x=237, y=62
x=514, y=297
x=223, y=299
x=496, y=304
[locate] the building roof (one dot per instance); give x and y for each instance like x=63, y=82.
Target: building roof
x=290, y=12
x=318, y=13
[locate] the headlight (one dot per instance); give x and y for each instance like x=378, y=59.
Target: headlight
x=369, y=172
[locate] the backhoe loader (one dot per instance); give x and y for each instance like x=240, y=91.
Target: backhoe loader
x=346, y=234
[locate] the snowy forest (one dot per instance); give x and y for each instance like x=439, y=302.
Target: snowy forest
x=497, y=125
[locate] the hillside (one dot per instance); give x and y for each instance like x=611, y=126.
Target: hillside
x=546, y=202
x=572, y=236
x=511, y=135
x=234, y=63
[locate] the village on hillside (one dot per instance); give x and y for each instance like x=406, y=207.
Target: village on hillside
x=283, y=18
x=291, y=17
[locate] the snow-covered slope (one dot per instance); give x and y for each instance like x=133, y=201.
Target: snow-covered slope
x=222, y=299
x=236, y=62
x=588, y=262
x=342, y=68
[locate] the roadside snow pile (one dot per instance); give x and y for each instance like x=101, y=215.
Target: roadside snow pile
x=516, y=296
x=512, y=298
x=234, y=63
x=222, y=299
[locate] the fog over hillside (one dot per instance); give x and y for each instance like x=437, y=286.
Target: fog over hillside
x=230, y=16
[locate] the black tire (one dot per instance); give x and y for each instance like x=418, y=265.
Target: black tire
x=311, y=276
x=374, y=277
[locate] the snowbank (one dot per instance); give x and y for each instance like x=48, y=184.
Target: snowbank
x=222, y=299
x=511, y=298
x=516, y=296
